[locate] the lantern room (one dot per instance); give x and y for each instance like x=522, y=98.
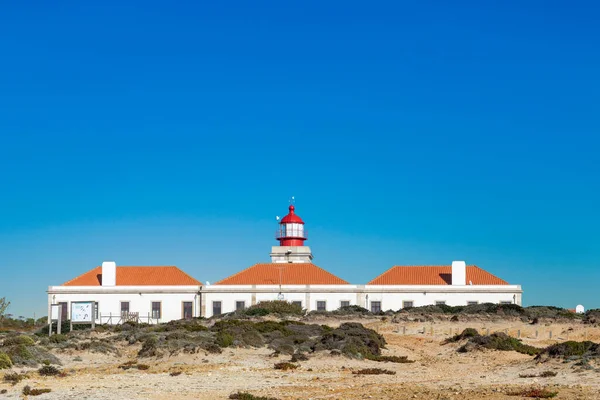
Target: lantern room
x=291, y=230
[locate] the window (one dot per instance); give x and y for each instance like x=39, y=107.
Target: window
x=321, y=306
x=506, y=302
x=156, y=310
x=440, y=302
x=344, y=303
x=472, y=303
x=96, y=310
x=124, y=307
x=216, y=308
x=240, y=305
x=375, y=306
x=297, y=303
x=187, y=312
x=408, y=304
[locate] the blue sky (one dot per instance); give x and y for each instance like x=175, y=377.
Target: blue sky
x=409, y=132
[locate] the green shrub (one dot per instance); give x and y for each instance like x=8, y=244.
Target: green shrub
x=19, y=340
x=49, y=370
x=498, y=341
x=248, y=396
x=571, y=349
x=14, y=377
x=285, y=366
x=58, y=338
x=28, y=391
x=465, y=334
x=5, y=361
x=374, y=371
x=224, y=339
x=353, y=340
x=536, y=393
x=273, y=307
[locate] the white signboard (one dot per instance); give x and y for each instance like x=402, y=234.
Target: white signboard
x=82, y=311
x=55, y=312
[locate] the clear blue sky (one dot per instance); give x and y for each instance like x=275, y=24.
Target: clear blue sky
x=409, y=132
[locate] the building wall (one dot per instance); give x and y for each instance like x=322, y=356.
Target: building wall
x=140, y=300
x=392, y=297
x=308, y=295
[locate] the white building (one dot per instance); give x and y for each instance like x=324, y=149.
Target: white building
x=291, y=276
x=145, y=294
x=161, y=294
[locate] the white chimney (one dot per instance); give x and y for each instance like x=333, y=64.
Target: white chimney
x=109, y=273
x=459, y=273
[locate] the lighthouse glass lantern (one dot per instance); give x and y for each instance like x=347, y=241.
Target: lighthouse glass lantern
x=291, y=234
x=291, y=230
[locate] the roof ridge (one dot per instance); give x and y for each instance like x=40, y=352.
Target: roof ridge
x=327, y=272
x=383, y=273
x=236, y=274
x=79, y=276
x=487, y=272
x=286, y=264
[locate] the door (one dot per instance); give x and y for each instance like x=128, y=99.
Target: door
x=188, y=310
x=64, y=311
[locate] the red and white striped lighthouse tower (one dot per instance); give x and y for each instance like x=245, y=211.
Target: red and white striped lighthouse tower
x=291, y=235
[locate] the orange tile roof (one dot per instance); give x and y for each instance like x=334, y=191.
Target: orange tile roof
x=291, y=274
x=433, y=275
x=137, y=276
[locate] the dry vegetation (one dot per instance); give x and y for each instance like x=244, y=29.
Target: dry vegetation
x=341, y=354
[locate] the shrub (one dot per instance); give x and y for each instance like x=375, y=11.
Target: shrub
x=58, y=338
x=299, y=357
x=224, y=339
x=498, y=341
x=285, y=366
x=374, y=371
x=248, y=396
x=465, y=334
x=537, y=393
x=394, y=359
x=143, y=367
x=175, y=373
x=5, y=361
x=273, y=307
x=14, y=377
x=353, y=340
x=545, y=374
x=19, y=340
x=28, y=391
x=570, y=349
x=49, y=370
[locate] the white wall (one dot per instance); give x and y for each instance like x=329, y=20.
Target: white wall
x=140, y=300
x=308, y=295
x=391, y=297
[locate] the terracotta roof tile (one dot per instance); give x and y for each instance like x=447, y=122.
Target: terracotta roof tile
x=291, y=274
x=433, y=275
x=137, y=276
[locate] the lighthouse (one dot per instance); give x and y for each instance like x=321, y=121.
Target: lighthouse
x=291, y=235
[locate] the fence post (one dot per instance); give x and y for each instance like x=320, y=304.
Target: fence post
x=431, y=330
x=519, y=334
x=536, y=333
x=550, y=334
x=404, y=330
x=488, y=331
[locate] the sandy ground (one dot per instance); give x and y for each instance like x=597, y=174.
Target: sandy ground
x=439, y=372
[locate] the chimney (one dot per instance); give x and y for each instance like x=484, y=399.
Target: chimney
x=109, y=273
x=459, y=273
